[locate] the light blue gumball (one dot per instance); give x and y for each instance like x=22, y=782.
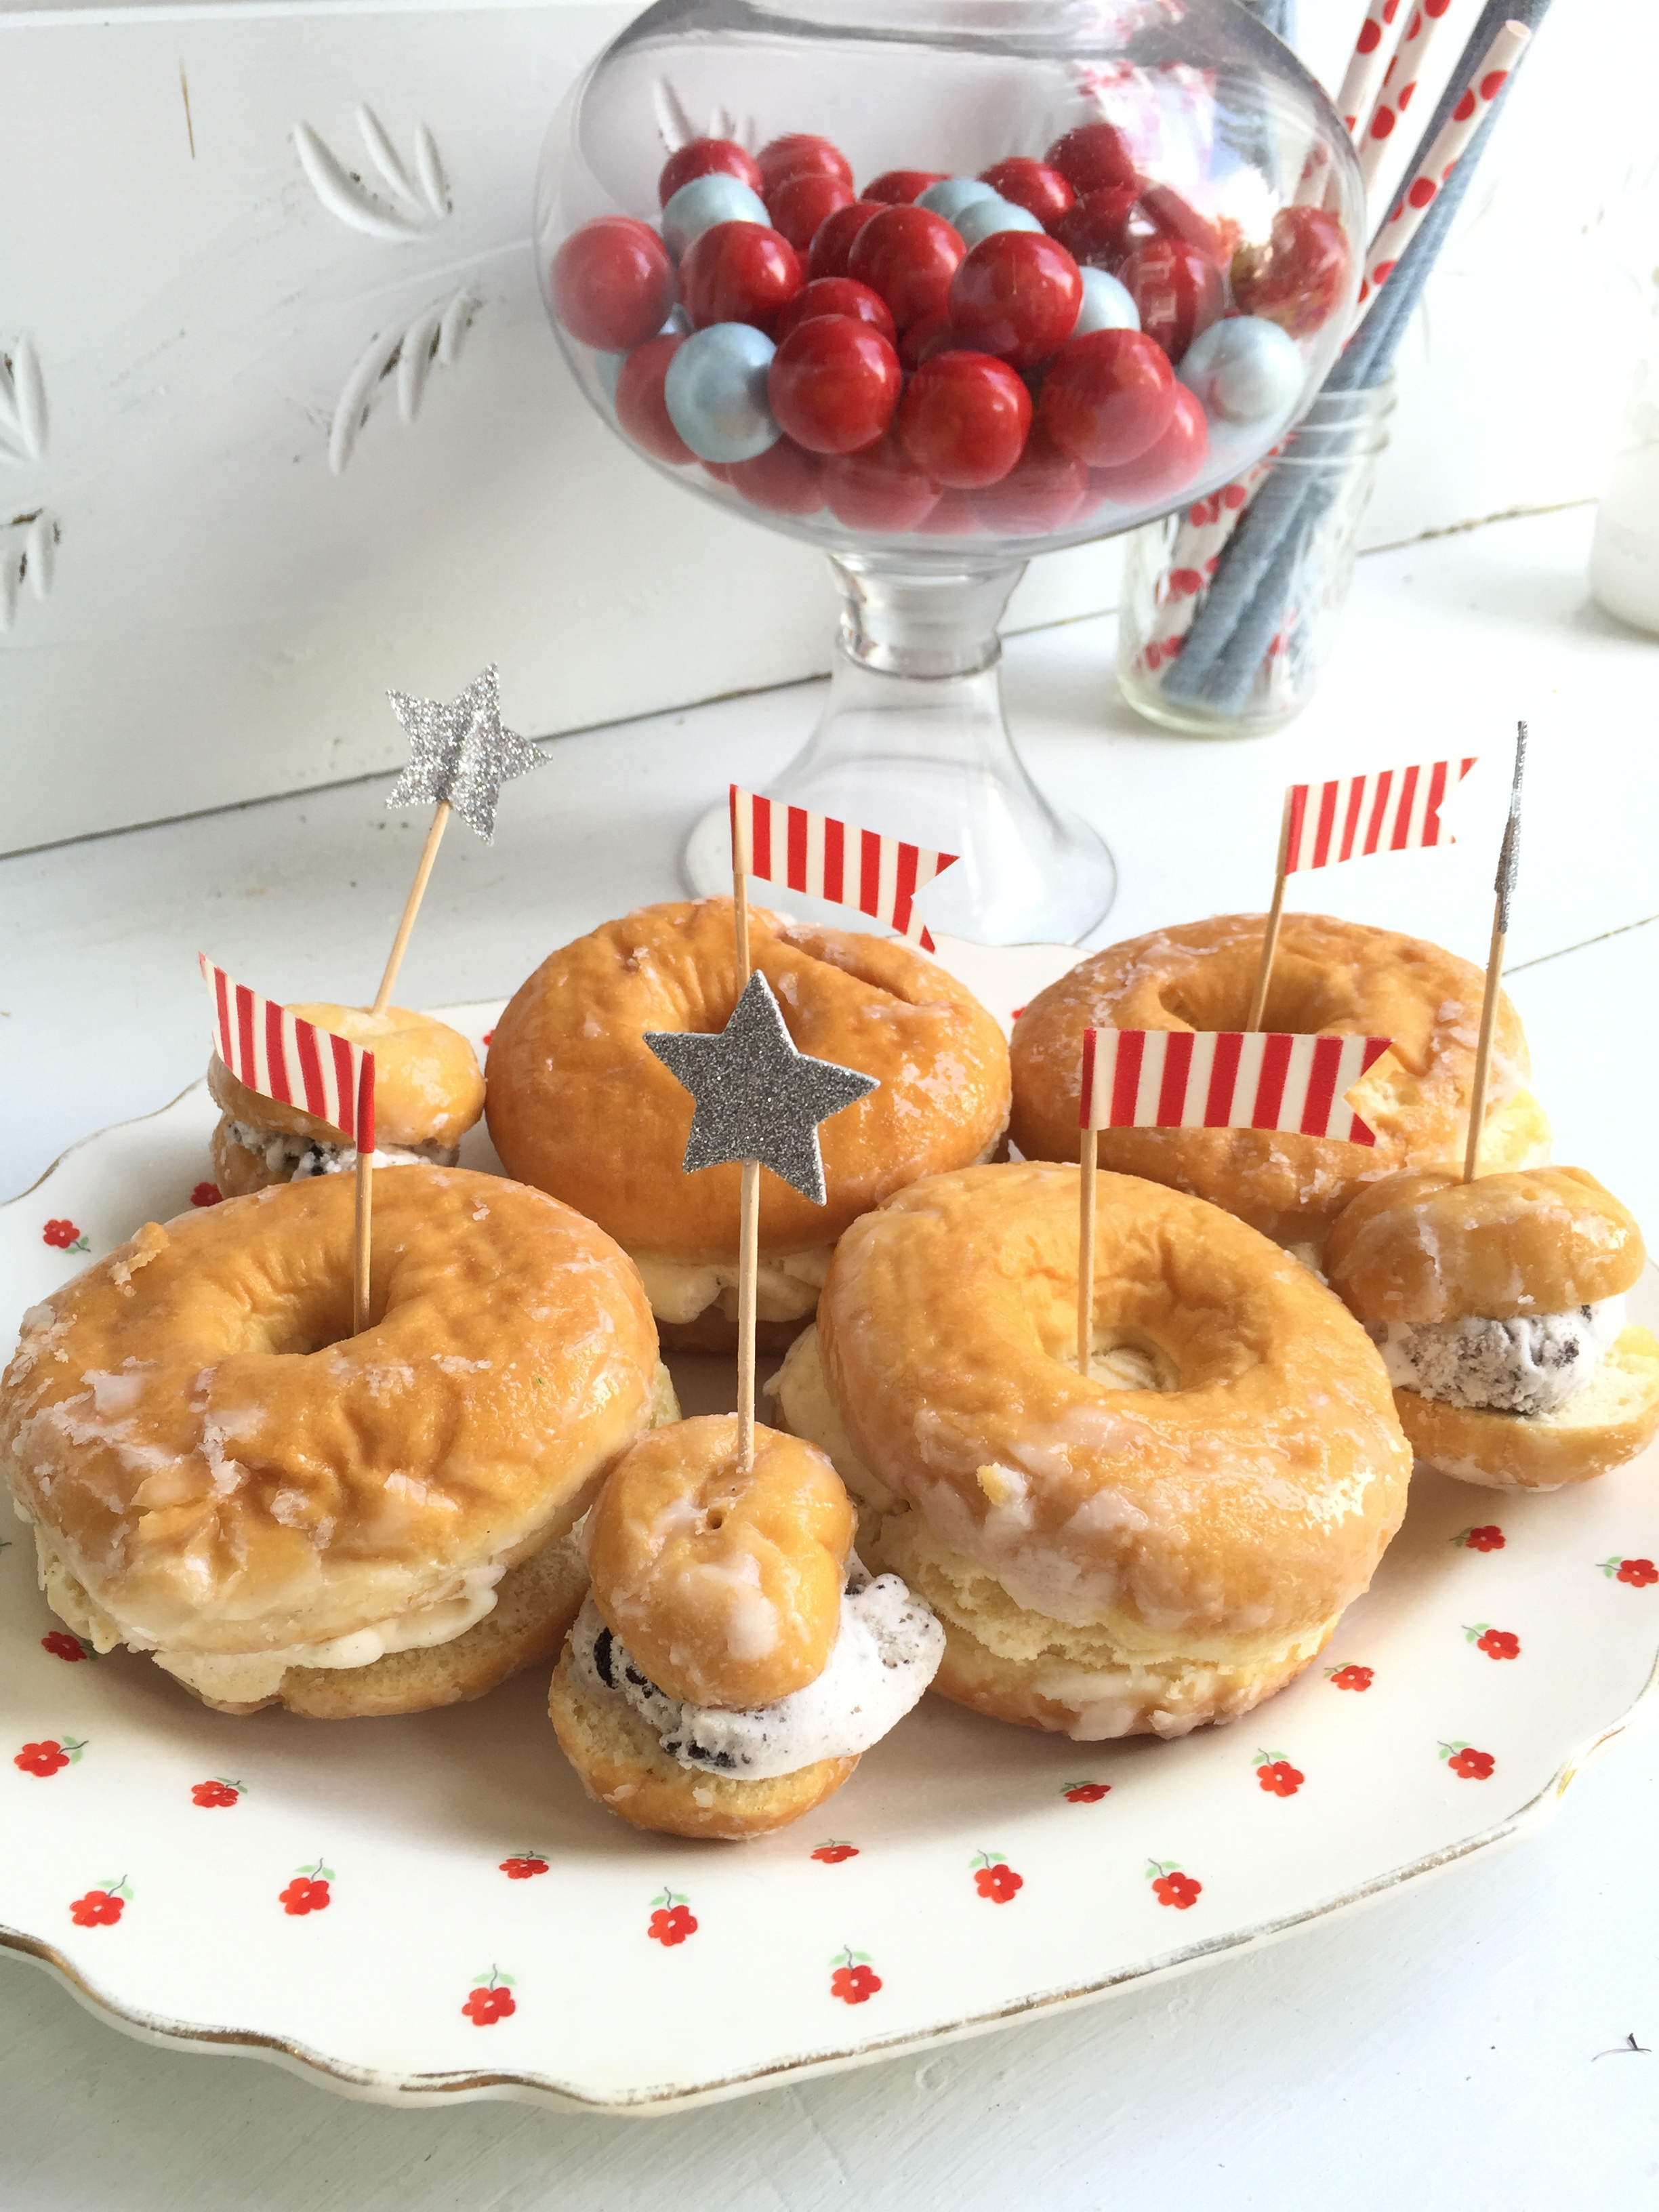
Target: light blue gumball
x=1244, y=370
x=1107, y=305
x=953, y=194
x=608, y=368
x=716, y=392
x=983, y=219
x=704, y=202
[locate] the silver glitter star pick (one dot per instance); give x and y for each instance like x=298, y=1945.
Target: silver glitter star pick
x=460, y=750
x=758, y=1098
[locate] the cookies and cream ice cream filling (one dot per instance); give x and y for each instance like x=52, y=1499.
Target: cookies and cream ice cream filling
x=1528, y=1364
x=886, y=1652
x=295, y=1158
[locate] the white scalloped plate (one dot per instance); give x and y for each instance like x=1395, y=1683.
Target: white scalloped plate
x=372, y=1992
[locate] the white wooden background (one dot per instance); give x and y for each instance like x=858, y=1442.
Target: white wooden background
x=225, y=606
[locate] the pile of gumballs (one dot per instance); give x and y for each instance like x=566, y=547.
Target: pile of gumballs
x=943, y=354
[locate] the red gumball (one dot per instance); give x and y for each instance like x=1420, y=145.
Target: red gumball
x=1033, y=186
x=1178, y=292
x=934, y=334
x=833, y=385
x=801, y=203
x=797, y=154
x=909, y=255
x=964, y=420
x=1169, y=463
x=1043, y=491
x=1297, y=279
x=1107, y=397
x=899, y=187
x=832, y=241
x=1017, y=295
x=1178, y=218
x=613, y=284
x=880, y=488
x=641, y=411
x=1098, y=231
x=836, y=295
x=721, y=471
x=739, y=272
x=953, y=517
x=706, y=157
x=783, y=480
x=1091, y=157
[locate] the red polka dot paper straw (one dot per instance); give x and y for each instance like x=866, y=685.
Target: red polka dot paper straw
x=1399, y=85
x=1370, y=59
x=1438, y=164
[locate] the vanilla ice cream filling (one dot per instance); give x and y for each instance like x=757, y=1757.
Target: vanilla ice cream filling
x=295, y=1158
x=242, y=1678
x=787, y=1284
x=1528, y=1364
x=886, y=1652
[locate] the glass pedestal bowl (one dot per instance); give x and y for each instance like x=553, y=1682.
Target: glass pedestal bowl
x=1135, y=304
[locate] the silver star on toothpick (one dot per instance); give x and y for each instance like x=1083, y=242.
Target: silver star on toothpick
x=758, y=1098
x=460, y=750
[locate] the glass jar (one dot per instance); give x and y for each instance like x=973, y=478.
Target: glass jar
x=1230, y=606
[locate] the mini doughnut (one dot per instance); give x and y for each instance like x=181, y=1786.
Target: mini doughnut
x=732, y=1660
x=221, y=1474
x=1330, y=977
x=1498, y=1307
x=579, y=1106
x=725, y=1587
x=428, y=1091
x=1106, y=1560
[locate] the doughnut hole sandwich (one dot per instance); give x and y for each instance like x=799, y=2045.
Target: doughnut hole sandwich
x=220, y=1475
x=428, y=1091
x=1340, y=978
x=1164, y=1541
x=1498, y=1307
x=732, y=1658
x=580, y=1107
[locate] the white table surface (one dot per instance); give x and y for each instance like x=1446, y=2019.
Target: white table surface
x=1442, y=2049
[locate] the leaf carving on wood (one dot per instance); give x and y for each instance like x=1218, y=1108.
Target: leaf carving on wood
x=403, y=355
x=22, y=405
x=28, y=547
x=407, y=205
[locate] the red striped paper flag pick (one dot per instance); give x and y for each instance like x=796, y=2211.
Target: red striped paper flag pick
x=1392, y=810
x=1225, y=1079
x=831, y=859
x=291, y=1061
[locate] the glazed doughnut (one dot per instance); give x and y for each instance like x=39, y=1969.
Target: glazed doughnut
x=732, y=1660
x=1498, y=1307
x=1330, y=977
x=579, y=1106
x=428, y=1091
x=221, y=1474
x=1106, y=1560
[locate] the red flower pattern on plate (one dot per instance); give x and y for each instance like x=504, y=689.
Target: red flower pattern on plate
x=1277, y=1775
x=1350, y=1677
x=62, y=1645
x=102, y=1907
x=994, y=1878
x=671, y=1922
x=308, y=1892
x=50, y=1757
x=491, y=1999
x=854, y=1981
x=65, y=1237
x=1085, y=1793
x=206, y=1193
x=833, y=1853
x=1488, y=1538
x=1496, y=1642
x=1170, y=1886
x=523, y=1864
x=1638, y=1573
x=1465, y=1761
x=219, y=1791
x=488, y=1035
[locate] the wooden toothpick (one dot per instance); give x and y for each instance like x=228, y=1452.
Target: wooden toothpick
x=435, y=837
x=1088, y=1156
x=363, y=1225
x=749, y=1203
x=1264, y=974
x=1508, y=863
